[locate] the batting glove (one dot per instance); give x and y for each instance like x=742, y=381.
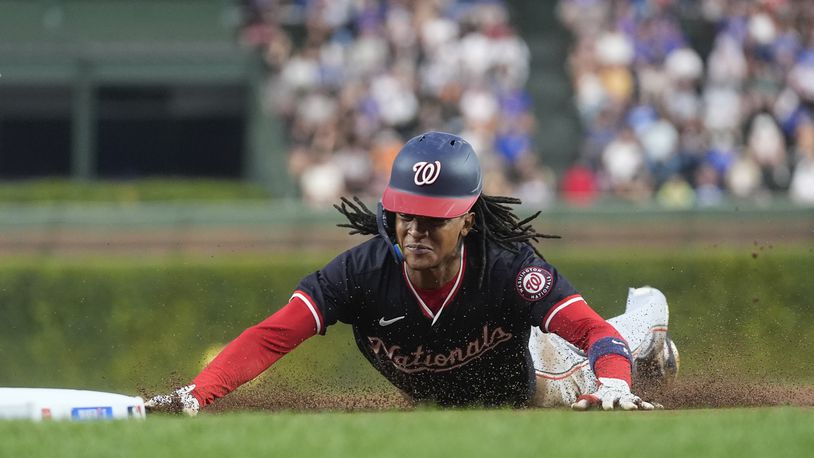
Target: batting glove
x=179, y=401
x=613, y=393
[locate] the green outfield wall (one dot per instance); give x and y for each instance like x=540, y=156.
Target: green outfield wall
x=127, y=323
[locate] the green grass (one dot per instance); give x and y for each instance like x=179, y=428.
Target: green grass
x=428, y=433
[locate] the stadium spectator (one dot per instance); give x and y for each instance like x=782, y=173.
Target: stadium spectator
x=352, y=80
x=802, y=180
x=725, y=124
x=579, y=185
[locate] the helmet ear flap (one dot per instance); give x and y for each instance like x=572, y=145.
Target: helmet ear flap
x=389, y=221
x=386, y=223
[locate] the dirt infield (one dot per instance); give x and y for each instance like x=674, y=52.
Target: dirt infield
x=317, y=401
x=685, y=393
x=694, y=393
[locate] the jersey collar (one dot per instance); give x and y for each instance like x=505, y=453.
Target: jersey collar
x=449, y=297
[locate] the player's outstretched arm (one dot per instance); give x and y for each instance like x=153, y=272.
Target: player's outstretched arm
x=608, y=355
x=246, y=357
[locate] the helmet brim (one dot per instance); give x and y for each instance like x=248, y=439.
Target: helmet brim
x=434, y=207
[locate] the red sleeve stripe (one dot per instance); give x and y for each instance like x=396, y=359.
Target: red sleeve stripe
x=301, y=295
x=563, y=375
x=561, y=305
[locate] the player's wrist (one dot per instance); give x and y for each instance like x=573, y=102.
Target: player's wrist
x=197, y=398
x=607, y=346
x=613, y=366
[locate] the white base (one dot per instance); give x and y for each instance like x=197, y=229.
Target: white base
x=63, y=404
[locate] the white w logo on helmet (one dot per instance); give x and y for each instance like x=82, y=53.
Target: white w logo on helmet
x=426, y=172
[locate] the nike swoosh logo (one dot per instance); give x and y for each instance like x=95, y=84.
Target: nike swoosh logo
x=383, y=322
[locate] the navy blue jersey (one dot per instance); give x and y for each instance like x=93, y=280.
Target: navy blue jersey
x=474, y=352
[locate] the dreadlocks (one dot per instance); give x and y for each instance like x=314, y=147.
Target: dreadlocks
x=494, y=221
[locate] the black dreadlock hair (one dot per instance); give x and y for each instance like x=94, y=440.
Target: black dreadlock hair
x=495, y=222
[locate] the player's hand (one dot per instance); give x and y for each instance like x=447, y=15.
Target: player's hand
x=179, y=401
x=613, y=393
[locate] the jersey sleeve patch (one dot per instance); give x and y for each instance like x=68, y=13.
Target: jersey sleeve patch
x=533, y=283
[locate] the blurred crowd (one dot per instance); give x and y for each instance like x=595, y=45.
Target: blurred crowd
x=663, y=121
x=354, y=79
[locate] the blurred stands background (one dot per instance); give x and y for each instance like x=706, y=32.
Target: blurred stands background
x=694, y=102
x=181, y=124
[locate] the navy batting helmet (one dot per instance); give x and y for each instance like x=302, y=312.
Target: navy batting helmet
x=435, y=174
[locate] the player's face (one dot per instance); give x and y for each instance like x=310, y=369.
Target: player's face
x=430, y=242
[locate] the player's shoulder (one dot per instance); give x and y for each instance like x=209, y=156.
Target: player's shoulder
x=523, y=271
x=505, y=265
x=368, y=256
x=503, y=259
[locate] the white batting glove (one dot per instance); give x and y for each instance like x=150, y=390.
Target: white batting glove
x=179, y=401
x=613, y=392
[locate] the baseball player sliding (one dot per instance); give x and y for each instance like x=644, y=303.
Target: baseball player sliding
x=452, y=303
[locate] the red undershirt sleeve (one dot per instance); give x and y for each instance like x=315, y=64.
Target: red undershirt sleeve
x=254, y=351
x=580, y=325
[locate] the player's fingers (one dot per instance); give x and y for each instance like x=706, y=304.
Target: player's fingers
x=607, y=404
x=628, y=404
x=585, y=402
x=652, y=405
x=644, y=405
x=152, y=405
x=582, y=404
x=160, y=403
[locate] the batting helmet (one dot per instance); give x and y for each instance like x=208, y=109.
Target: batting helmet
x=435, y=174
